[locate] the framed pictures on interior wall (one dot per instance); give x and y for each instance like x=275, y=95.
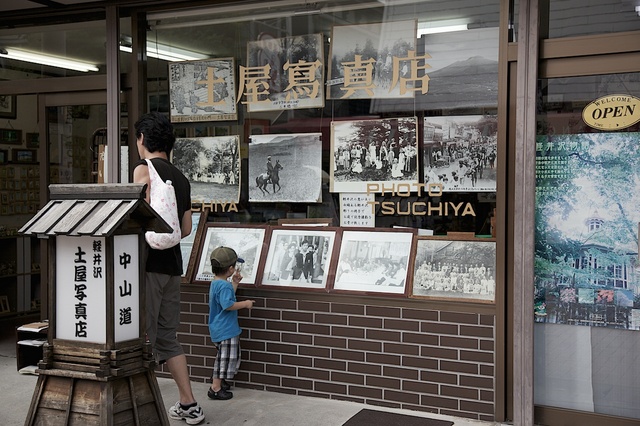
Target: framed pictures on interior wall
x=8, y=107
x=203, y=90
x=374, y=261
x=295, y=77
x=248, y=242
x=378, y=152
x=454, y=269
x=299, y=257
x=285, y=168
x=212, y=165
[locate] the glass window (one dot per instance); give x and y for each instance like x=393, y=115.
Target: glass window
x=410, y=87
x=586, y=247
x=569, y=18
x=53, y=51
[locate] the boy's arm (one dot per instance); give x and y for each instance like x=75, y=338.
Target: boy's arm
x=245, y=304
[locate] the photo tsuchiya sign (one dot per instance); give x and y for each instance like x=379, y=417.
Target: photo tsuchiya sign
x=612, y=112
x=81, y=283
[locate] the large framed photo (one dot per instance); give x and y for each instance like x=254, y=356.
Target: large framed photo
x=299, y=257
x=291, y=70
x=203, y=90
x=285, y=168
x=383, y=60
x=248, y=242
x=460, y=152
x=380, y=152
x=374, y=261
x=458, y=269
x=212, y=165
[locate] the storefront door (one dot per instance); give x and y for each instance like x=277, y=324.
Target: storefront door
x=587, y=272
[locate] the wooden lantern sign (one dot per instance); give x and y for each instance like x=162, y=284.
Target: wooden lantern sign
x=96, y=338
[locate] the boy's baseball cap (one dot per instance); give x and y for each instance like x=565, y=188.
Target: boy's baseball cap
x=223, y=257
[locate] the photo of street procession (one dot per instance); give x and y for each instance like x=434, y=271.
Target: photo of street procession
x=460, y=152
x=373, y=151
x=212, y=165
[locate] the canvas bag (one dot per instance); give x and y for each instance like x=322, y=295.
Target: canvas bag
x=162, y=196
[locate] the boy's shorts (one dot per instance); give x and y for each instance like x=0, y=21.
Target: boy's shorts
x=228, y=359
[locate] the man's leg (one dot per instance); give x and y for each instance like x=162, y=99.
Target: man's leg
x=180, y=373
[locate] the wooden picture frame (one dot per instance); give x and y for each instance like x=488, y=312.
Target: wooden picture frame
x=8, y=107
x=33, y=140
x=307, y=221
x=374, y=261
x=189, y=256
x=249, y=242
x=454, y=268
x=300, y=258
x=25, y=156
x=4, y=305
x=10, y=136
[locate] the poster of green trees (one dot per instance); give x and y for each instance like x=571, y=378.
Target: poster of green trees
x=586, y=232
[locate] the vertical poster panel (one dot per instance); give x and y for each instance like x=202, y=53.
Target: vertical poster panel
x=80, y=289
x=586, y=252
x=126, y=292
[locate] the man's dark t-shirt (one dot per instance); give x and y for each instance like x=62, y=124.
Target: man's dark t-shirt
x=169, y=261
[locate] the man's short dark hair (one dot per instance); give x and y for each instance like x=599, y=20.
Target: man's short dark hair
x=157, y=131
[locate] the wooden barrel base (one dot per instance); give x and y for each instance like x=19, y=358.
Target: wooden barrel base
x=65, y=400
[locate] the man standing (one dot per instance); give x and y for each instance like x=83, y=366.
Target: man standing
x=163, y=269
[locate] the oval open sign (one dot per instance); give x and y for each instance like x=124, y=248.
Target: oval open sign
x=612, y=112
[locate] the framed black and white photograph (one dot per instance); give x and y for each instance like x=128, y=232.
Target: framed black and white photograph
x=248, y=242
x=212, y=165
x=368, y=61
x=458, y=269
x=8, y=107
x=299, y=257
x=460, y=152
x=374, y=261
x=285, y=168
x=203, y=90
x=383, y=151
x=295, y=74
x=462, y=71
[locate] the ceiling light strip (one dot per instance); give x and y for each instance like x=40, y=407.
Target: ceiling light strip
x=53, y=61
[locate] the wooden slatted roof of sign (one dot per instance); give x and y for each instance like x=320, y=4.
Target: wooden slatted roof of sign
x=96, y=210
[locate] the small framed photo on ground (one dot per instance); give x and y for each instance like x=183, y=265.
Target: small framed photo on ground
x=248, y=242
x=300, y=257
x=374, y=261
x=455, y=269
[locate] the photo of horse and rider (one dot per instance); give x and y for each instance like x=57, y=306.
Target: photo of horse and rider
x=285, y=168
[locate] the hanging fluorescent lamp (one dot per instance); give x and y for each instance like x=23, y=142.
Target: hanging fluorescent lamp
x=49, y=60
x=167, y=53
x=443, y=29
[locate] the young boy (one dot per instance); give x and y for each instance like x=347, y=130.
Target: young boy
x=223, y=319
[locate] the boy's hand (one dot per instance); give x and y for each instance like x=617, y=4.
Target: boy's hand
x=236, y=278
x=249, y=303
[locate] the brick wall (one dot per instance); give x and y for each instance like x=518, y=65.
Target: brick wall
x=392, y=352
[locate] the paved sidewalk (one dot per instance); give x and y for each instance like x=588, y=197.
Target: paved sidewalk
x=247, y=408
